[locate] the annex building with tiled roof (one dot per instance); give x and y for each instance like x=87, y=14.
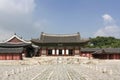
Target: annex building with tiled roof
x=14, y=48
x=101, y=53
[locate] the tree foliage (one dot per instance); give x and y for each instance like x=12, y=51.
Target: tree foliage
x=104, y=42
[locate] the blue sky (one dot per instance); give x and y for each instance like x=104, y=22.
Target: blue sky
x=28, y=18
x=70, y=16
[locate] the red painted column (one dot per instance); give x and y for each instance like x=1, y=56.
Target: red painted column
x=64, y=51
x=21, y=56
x=74, y=51
x=79, y=51
x=46, y=51
x=89, y=56
x=107, y=56
x=114, y=56
x=55, y=51
x=40, y=51
x=118, y=56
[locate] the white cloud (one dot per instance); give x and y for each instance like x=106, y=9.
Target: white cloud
x=17, y=16
x=17, y=6
x=109, y=31
x=107, y=18
x=110, y=28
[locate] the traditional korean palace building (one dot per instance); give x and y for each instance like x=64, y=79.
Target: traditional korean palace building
x=14, y=48
x=59, y=45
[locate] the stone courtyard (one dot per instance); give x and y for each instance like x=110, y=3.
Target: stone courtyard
x=60, y=68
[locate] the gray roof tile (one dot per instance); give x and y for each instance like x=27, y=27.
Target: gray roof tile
x=101, y=51
x=57, y=38
x=89, y=49
x=14, y=45
x=108, y=51
x=11, y=50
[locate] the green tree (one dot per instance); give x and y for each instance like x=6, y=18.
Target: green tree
x=103, y=42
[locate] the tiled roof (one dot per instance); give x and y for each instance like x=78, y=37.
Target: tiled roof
x=14, y=45
x=108, y=51
x=89, y=49
x=112, y=50
x=11, y=50
x=59, y=38
x=17, y=37
x=101, y=51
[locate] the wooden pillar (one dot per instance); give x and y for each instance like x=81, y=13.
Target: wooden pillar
x=55, y=51
x=73, y=51
x=21, y=57
x=118, y=56
x=114, y=56
x=79, y=51
x=107, y=56
x=40, y=51
x=89, y=56
x=104, y=56
x=100, y=56
x=76, y=51
x=65, y=51
x=86, y=54
x=46, y=51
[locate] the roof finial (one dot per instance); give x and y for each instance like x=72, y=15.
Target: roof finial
x=14, y=33
x=78, y=33
x=42, y=32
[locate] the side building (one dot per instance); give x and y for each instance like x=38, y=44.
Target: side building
x=59, y=44
x=15, y=48
x=101, y=53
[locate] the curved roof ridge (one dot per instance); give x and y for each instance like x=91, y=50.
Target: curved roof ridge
x=60, y=35
x=16, y=36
